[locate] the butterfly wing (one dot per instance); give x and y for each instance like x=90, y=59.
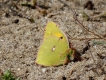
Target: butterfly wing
x=53, y=30
x=52, y=52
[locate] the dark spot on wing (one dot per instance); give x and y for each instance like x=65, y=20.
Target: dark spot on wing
x=61, y=37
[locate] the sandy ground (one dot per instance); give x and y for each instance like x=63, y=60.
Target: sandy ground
x=20, y=40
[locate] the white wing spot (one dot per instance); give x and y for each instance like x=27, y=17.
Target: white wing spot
x=53, y=48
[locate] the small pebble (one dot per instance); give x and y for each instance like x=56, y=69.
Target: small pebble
x=2, y=40
x=16, y=21
x=7, y=15
x=44, y=70
x=89, y=5
x=18, y=69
